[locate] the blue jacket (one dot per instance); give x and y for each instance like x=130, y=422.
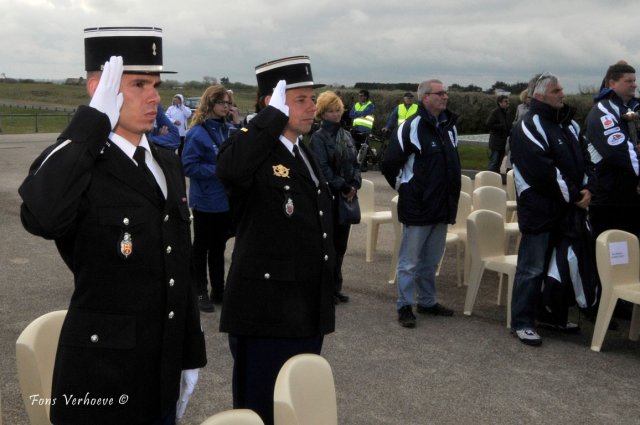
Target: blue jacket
x=422, y=163
x=171, y=140
x=200, y=158
x=550, y=166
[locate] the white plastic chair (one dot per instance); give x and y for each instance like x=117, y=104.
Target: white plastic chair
x=305, y=392
x=485, y=235
x=36, y=349
x=460, y=229
x=397, y=230
x=618, y=260
x=466, y=184
x=234, y=417
x=512, y=205
x=372, y=218
x=488, y=178
x=495, y=199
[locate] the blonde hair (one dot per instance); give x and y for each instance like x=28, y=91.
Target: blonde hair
x=328, y=101
x=211, y=95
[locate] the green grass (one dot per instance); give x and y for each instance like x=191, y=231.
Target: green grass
x=473, y=157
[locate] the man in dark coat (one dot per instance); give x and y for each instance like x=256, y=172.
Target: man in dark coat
x=499, y=125
x=279, y=296
x=116, y=206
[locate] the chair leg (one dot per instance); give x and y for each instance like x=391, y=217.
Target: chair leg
x=511, y=278
x=475, y=275
x=634, y=330
x=444, y=251
x=605, y=311
x=458, y=274
x=502, y=291
x=467, y=264
x=370, y=242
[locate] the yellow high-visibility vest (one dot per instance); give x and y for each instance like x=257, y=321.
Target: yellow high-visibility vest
x=365, y=121
x=404, y=112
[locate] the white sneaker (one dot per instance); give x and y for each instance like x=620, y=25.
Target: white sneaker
x=528, y=336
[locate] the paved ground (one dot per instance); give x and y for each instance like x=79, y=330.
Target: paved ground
x=459, y=370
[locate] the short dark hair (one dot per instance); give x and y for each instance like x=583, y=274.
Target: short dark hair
x=616, y=71
x=501, y=97
x=364, y=92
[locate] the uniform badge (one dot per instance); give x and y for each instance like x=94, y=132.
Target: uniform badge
x=607, y=121
x=288, y=207
x=280, y=171
x=126, y=245
x=615, y=139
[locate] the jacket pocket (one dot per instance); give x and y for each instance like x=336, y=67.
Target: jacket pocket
x=98, y=330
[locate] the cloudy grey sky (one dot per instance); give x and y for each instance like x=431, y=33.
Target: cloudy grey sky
x=460, y=41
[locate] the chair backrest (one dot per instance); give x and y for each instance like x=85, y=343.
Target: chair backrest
x=305, y=392
x=490, y=198
x=464, y=209
x=35, y=355
x=617, y=257
x=511, y=186
x=485, y=234
x=234, y=417
x=366, y=196
x=488, y=178
x=466, y=184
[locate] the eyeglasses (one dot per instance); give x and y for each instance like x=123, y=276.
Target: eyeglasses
x=222, y=102
x=442, y=93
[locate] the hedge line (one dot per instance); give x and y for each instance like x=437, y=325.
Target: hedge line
x=473, y=108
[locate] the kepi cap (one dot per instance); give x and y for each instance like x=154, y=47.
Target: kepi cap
x=295, y=70
x=408, y=94
x=140, y=48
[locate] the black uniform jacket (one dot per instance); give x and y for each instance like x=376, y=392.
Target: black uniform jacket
x=280, y=283
x=133, y=322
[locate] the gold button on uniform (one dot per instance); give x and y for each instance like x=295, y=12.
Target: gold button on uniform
x=171, y=314
x=94, y=338
x=171, y=282
x=169, y=249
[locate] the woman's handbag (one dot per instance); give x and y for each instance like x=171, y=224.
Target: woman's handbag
x=348, y=211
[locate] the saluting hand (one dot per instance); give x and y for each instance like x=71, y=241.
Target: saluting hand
x=107, y=97
x=279, y=97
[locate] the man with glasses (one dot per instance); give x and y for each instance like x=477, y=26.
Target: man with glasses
x=613, y=140
x=552, y=173
x=422, y=163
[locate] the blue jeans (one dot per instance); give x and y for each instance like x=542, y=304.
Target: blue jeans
x=421, y=249
x=495, y=160
x=533, y=258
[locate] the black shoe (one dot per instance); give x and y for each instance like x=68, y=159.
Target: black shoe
x=341, y=297
x=437, y=310
x=205, y=304
x=569, y=328
x=406, y=317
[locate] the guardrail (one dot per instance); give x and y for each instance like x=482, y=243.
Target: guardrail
x=12, y=121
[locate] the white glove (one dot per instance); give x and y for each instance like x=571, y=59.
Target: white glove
x=279, y=97
x=187, y=385
x=107, y=97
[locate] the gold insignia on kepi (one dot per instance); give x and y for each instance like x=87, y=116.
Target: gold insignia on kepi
x=126, y=245
x=244, y=129
x=280, y=171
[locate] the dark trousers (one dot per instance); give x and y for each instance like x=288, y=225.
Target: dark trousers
x=340, y=241
x=495, y=160
x=168, y=419
x=605, y=217
x=256, y=363
x=210, y=234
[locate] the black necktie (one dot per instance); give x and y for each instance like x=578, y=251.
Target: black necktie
x=139, y=156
